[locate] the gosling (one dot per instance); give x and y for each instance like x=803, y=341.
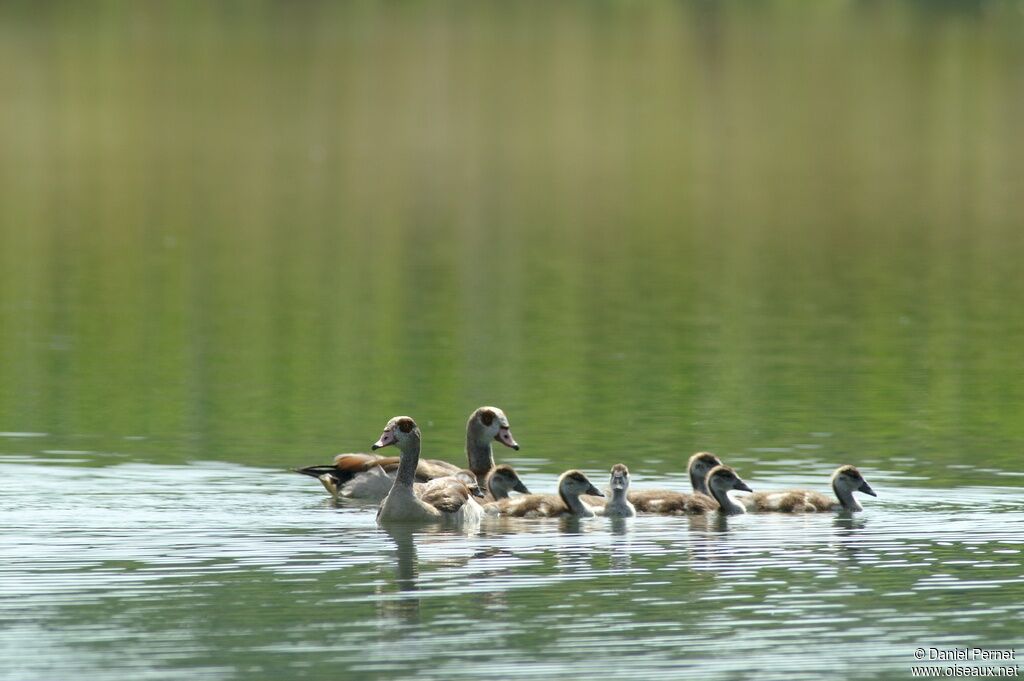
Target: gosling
x=845, y=481
x=720, y=481
x=567, y=502
x=619, y=506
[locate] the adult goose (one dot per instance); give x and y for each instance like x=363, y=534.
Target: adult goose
x=845, y=481
x=720, y=481
x=618, y=505
x=369, y=476
x=502, y=481
x=445, y=498
x=670, y=502
x=567, y=502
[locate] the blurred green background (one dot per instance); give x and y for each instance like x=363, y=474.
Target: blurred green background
x=255, y=231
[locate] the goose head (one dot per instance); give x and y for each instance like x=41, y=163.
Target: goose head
x=698, y=467
x=490, y=423
x=847, y=480
x=401, y=430
x=503, y=480
x=574, y=483
x=468, y=478
x=722, y=479
x=620, y=478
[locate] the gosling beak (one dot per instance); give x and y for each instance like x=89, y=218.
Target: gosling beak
x=476, y=491
x=866, y=488
x=520, y=487
x=386, y=438
x=742, y=486
x=618, y=482
x=594, y=492
x=504, y=436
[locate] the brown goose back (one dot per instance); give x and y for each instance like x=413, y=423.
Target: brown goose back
x=668, y=502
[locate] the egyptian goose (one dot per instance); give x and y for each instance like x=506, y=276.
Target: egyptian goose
x=720, y=481
x=567, y=502
x=445, y=498
x=845, y=481
x=618, y=505
x=670, y=502
x=502, y=481
x=368, y=476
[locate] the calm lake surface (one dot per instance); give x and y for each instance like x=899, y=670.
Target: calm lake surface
x=236, y=239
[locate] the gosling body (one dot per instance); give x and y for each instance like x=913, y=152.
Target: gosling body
x=567, y=502
x=671, y=502
x=845, y=481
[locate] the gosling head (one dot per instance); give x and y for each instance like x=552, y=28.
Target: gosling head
x=574, y=483
x=848, y=479
x=698, y=466
x=504, y=479
x=490, y=423
x=468, y=478
x=400, y=430
x=620, y=477
x=722, y=479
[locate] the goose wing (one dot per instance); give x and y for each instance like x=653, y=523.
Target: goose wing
x=787, y=501
x=671, y=502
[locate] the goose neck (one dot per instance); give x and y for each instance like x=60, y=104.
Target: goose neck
x=697, y=482
x=410, y=459
x=576, y=505
x=478, y=452
x=727, y=504
x=846, y=498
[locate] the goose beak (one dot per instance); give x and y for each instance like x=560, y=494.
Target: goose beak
x=520, y=487
x=866, y=488
x=593, y=491
x=742, y=486
x=504, y=436
x=327, y=480
x=386, y=438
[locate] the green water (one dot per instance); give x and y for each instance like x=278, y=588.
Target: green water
x=237, y=238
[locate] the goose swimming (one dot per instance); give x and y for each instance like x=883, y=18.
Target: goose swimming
x=618, y=505
x=369, y=476
x=845, y=481
x=567, y=502
x=720, y=481
x=670, y=502
x=445, y=498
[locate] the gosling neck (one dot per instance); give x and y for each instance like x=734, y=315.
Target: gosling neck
x=697, y=482
x=498, y=492
x=726, y=503
x=575, y=505
x=846, y=498
x=478, y=451
x=410, y=449
x=619, y=496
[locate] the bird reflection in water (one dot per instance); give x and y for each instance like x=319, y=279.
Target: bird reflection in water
x=848, y=528
x=619, y=550
x=406, y=606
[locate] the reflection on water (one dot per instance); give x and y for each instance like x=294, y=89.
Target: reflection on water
x=249, y=234
x=174, y=568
